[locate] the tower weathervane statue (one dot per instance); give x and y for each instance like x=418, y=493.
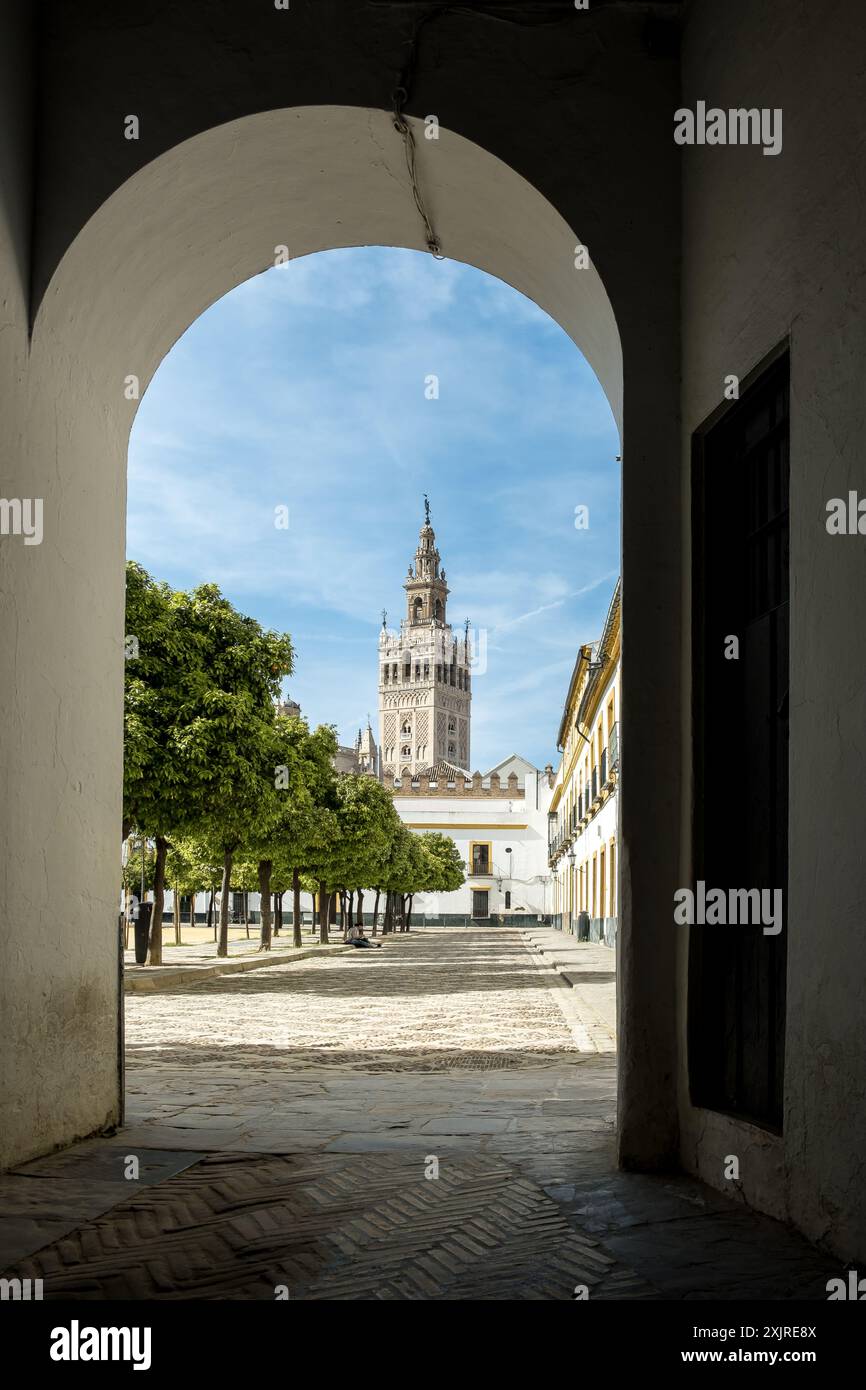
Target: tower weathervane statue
x=424, y=674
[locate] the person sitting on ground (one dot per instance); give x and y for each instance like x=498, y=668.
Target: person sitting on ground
x=356, y=937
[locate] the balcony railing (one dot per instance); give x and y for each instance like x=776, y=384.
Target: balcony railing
x=602, y=775
x=595, y=784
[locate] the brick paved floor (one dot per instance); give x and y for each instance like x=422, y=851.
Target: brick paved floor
x=288, y=1123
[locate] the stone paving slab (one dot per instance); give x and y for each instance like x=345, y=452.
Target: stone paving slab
x=294, y=1112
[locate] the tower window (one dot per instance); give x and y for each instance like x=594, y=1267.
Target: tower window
x=426, y=670
x=437, y=610
x=417, y=608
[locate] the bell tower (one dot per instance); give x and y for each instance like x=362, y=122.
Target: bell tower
x=424, y=674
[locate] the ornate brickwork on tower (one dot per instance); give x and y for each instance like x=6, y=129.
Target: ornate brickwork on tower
x=424, y=674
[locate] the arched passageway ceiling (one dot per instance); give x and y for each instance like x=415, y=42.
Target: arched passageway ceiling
x=210, y=213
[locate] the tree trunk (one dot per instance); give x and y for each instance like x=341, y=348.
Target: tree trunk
x=126, y=829
x=265, y=870
x=245, y=912
x=376, y=912
x=158, y=901
x=176, y=915
x=210, y=920
x=359, y=917
x=296, y=908
x=409, y=912
x=324, y=913
x=347, y=916
x=278, y=913
x=388, y=919
x=223, y=945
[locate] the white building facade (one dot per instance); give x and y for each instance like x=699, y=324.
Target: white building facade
x=498, y=822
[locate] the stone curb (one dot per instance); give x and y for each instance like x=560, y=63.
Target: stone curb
x=191, y=974
x=591, y=1037
x=559, y=957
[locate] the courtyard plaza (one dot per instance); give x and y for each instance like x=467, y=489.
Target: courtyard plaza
x=434, y=1120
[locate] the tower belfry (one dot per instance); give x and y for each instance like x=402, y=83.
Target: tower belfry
x=426, y=590
x=424, y=674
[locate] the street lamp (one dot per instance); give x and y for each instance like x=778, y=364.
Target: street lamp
x=508, y=852
x=570, y=890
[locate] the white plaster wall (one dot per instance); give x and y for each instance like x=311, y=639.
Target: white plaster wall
x=59, y=630
x=775, y=247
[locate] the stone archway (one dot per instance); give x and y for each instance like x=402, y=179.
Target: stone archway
x=172, y=239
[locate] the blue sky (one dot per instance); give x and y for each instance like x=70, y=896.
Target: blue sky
x=305, y=387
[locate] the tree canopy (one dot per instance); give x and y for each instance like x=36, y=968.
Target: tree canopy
x=226, y=785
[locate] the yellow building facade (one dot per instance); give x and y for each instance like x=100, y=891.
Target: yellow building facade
x=583, y=837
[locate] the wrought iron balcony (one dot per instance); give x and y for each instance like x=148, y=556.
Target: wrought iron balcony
x=613, y=748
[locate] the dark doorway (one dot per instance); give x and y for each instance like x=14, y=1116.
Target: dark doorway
x=479, y=902
x=740, y=590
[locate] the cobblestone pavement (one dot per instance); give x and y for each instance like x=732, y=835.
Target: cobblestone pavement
x=429, y=1121
x=423, y=999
